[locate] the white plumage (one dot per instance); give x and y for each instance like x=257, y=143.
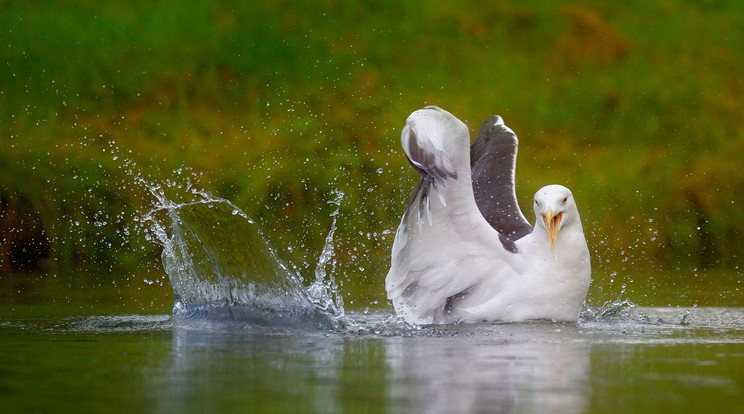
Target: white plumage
x=468, y=254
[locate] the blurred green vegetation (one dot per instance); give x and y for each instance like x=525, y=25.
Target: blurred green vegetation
x=636, y=106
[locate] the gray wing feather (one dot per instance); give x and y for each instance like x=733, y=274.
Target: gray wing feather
x=435, y=169
x=493, y=162
x=428, y=160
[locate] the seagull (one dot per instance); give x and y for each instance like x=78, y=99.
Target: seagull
x=464, y=252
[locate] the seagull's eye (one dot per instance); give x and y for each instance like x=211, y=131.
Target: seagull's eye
x=565, y=199
x=537, y=203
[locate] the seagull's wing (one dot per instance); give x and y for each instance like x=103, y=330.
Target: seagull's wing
x=493, y=159
x=425, y=151
x=443, y=245
x=423, y=145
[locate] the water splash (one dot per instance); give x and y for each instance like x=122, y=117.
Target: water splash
x=323, y=292
x=619, y=308
x=221, y=266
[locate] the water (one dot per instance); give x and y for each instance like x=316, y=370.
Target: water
x=222, y=267
x=247, y=333
x=650, y=360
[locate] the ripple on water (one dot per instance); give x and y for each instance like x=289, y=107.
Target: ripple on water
x=641, y=325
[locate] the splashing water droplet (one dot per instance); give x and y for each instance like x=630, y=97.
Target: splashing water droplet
x=221, y=265
x=324, y=291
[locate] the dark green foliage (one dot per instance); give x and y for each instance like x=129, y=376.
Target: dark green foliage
x=636, y=106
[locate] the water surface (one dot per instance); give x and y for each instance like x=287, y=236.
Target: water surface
x=645, y=360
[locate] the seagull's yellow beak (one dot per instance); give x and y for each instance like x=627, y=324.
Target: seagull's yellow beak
x=552, y=224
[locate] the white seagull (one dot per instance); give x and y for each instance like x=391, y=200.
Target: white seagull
x=464, y=252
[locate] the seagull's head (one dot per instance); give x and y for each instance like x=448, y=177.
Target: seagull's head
x=555, y=209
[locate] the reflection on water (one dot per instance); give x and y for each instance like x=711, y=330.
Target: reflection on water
x=648, y=360
x=489, y=374
x=460, y=373
x=272, y=372
x=644, y=361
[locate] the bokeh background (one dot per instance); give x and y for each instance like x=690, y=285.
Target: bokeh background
x=637, y=106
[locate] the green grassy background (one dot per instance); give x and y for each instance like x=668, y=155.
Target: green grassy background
x=637, y=106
